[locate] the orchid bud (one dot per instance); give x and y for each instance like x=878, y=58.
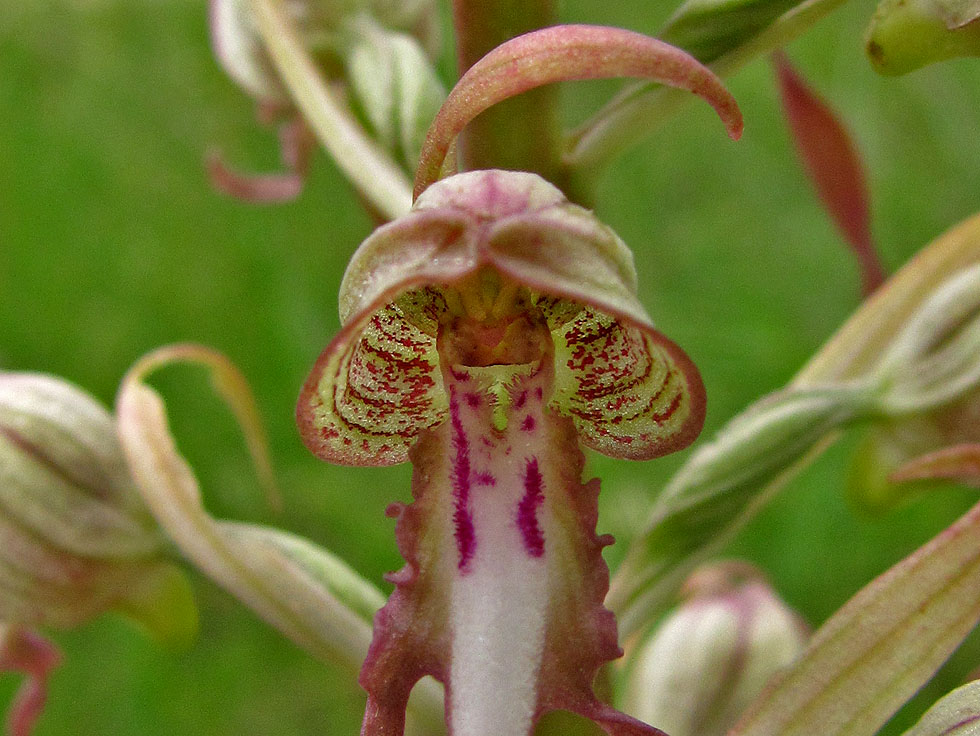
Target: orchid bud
x=905, y=35
x=327, y=67
x=396, y=87
x=75, y=537
x=935, y=357
x=708, y=29
x=712, y=656
x=931, y=371
x=323, y=26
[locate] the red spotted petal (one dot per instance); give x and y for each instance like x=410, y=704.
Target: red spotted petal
x=632, y=392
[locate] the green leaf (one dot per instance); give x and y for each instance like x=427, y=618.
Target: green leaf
x=709, y=28
x=882, y=646
x=721, y=486
x=957, y=714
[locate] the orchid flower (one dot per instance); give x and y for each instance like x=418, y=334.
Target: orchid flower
x=78, y=540
x=486, y=335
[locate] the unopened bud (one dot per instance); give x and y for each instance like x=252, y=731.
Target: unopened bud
x=935, y=357
x=712, y=656
x=75, y=537
x=395, y=85
x=708, y=29
x=905, y=35
x=323, y=29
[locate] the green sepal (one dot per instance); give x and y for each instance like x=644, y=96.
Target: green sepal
x=707, y=29
x=395, y=86
x=162, y=603
x=905, y=35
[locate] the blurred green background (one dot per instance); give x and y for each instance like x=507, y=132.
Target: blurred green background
x=112, y=242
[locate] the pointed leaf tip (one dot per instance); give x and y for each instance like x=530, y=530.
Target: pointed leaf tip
x=834, y=166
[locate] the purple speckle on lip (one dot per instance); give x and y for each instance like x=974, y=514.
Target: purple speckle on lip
x=485, y=479
x=460, y=481
x=527, y=509
x=528, y=424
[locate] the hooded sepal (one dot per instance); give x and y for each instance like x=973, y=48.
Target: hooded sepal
x=630, y=390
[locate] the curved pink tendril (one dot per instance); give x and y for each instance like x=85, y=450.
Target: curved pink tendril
x=566, y=53
x=296, y=145
x=959, y=463
x=27, y=652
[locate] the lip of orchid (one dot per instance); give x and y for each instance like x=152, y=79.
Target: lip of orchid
x=486, y=335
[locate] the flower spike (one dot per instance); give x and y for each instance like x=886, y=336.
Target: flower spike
x=485, y=335
x=561, y=54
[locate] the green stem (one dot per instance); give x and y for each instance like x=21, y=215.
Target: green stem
x=724, y=484
x=375, y=175
x=643, y=108
x=522, y=133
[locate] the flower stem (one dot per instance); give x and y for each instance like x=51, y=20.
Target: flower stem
x=375, y=175
x=522, y=133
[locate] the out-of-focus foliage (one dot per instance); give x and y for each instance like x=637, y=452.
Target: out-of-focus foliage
x=112, y=242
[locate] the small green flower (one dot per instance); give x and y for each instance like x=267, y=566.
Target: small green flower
x=76, y=539
x=710, y=658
